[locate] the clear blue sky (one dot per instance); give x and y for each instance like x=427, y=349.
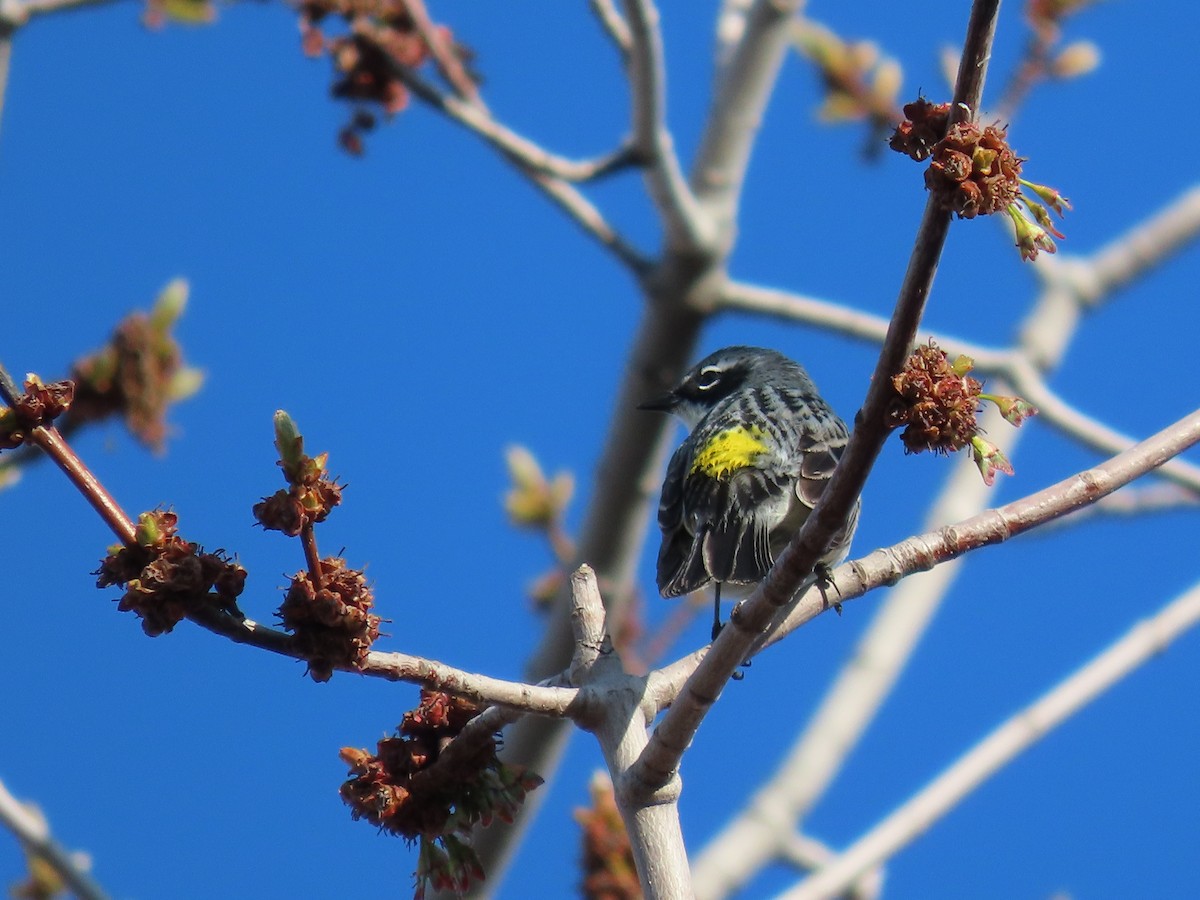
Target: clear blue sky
x=421, y=308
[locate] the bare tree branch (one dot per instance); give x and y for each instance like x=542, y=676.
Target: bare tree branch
x=618, y=719
x=807, y=854
x=1144, y=247
x=678, y=292
x=1030, y=385
x=741, y=99
x=34, y=835
x=994, y=526
x=614, y=24
x=539, y=166
x=1152, y=499
x=843, y=319
x=686, y=229
x=1146, y=640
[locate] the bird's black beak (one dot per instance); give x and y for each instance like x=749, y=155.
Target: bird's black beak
x=665, y=403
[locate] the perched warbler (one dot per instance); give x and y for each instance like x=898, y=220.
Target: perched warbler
x=762, y=447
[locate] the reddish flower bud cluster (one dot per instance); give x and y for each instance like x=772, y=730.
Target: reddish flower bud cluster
x=310, y=497
x=131, y=377
x=382, y=38
x=937, y=405
x=609, y=872
x=974, y=172
x=166, y=578
x=413, y=788
x=937, y=402
x=41, y=404
x=331, y=625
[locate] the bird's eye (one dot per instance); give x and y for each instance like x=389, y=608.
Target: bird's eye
x=708, y=378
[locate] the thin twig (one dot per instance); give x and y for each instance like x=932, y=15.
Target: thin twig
x=442, y=51
x=48, y=438
x=542, y=168
x=614, y=24
x=1033, y=67
x=1144, y=641
x=686, y=227
x=312, y=556
x=34, y=835
x=520, y=150
x=394, y=666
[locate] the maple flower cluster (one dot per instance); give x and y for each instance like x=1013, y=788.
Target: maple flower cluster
x=138, y=373
x=382, y=39
x=414, y=787
x=166, y=578
x=331, y=623
x=937, y=403
x=974, y=172
x=40, y=405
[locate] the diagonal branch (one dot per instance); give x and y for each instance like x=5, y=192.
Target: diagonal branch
x=935, y=549
x=1144, y=641
x=751, y=617
x=1144, y=247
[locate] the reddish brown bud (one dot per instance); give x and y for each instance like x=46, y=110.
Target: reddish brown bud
x=167, y=578
x=331, y=623
x=40, y=405
x=936, y=403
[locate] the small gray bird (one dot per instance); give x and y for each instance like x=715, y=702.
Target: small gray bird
x=762, y=447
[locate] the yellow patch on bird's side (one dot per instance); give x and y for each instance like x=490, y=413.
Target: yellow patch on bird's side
x=729, y=450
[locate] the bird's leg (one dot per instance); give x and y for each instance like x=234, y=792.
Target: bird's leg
x=824, y=582
x=717, y=626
